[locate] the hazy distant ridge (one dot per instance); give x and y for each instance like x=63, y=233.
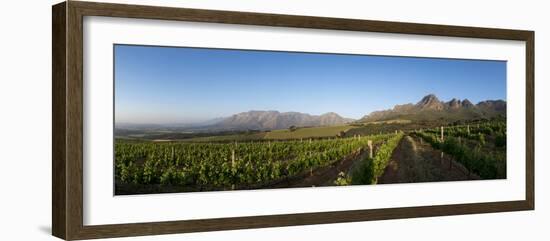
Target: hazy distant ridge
x=271, y=120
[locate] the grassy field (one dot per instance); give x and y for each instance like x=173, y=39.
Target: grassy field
x=229, y=138
x=285, y=134
x=308, y=132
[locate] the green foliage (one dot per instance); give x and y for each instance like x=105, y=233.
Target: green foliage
x=220, y=166
x=364, y=173
x=481, y=138
x=342, y=180
x=292, y=128
x=384, y=153
x=473, y=160
x=500, y=140
x=370, y=170
x=488, y=164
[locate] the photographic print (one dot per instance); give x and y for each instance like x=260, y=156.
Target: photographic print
x=202, y=119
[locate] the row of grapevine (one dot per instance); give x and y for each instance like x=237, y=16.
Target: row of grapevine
x=477, y=132
x=219, y=166
x=371, y=169
x=487, y=161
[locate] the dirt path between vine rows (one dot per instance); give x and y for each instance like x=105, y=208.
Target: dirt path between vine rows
x=416, y=161
x=323, y=176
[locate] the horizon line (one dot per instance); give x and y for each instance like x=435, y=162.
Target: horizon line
x=283, y=112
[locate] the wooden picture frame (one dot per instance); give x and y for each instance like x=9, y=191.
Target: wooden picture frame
x=67, y=124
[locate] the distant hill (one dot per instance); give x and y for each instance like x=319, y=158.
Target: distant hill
x=431, y=108
x=272, y=120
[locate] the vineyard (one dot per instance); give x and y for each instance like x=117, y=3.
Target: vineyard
x=184, y=166
x=481, y=148
x=241, y=165
x=372, y=167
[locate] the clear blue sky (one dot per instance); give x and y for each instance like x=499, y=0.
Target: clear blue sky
x=186, y=85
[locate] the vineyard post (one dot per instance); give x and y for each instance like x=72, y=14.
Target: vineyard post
x=442, y=134
x=233, y=158
x=233, y=167
x=468, y=129
x=369, y=143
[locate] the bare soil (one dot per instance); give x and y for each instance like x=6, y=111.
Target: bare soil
x=412, y=161
x=416, y=161
x=322, y=176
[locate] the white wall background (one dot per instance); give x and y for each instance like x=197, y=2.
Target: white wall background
x=25, y=122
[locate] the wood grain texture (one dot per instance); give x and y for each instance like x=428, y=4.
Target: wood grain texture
x=58, y=121
x=279, y=20
x=530, y=120
x=121, y=230
x=67, y=78
x=74, y=121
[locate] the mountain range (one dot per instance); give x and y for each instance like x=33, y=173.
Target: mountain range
x=431, y=108
x=272, y=120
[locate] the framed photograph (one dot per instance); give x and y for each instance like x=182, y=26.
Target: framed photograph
x=170, y=120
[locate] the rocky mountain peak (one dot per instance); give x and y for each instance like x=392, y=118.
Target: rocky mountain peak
x=271, y=120
x=330, y=114
x=496, y=105
x=430, y=102
x=466, y=103
x=454, y=104
x=430, y=108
